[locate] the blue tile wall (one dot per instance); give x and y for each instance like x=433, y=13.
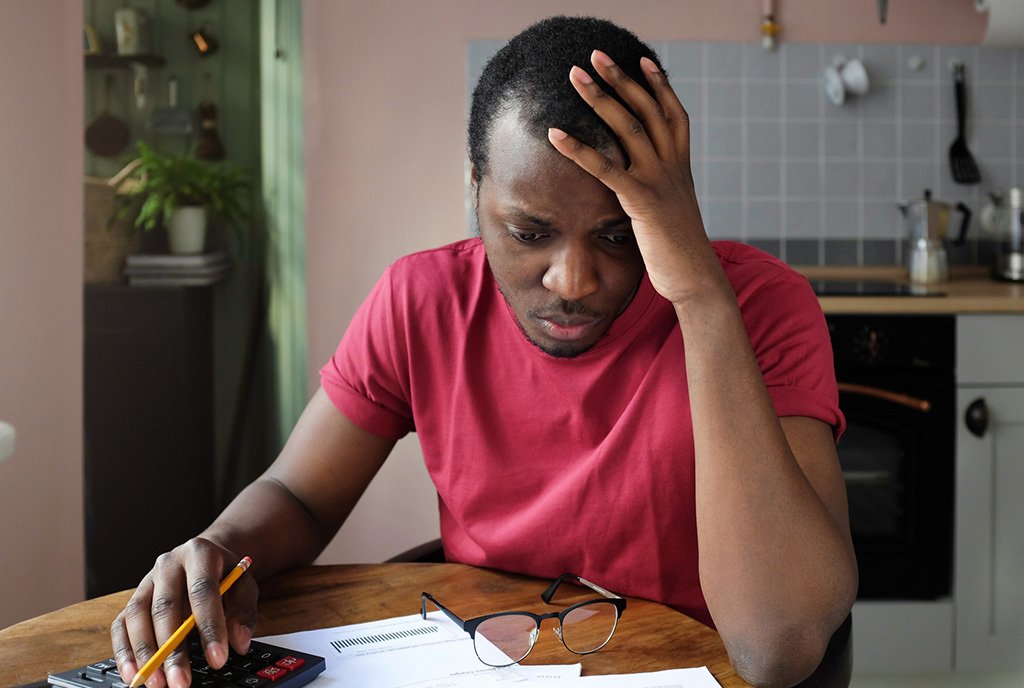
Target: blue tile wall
x=780, y=167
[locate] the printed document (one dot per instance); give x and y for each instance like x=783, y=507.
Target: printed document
x=412, y=652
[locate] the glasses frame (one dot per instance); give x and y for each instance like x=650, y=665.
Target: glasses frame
x=470, y=625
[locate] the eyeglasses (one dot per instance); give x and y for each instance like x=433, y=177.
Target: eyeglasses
x=505, y=638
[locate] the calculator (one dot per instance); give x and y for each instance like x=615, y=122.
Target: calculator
x=264, y=665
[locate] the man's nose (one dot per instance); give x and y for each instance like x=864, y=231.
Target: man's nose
x=572, y=274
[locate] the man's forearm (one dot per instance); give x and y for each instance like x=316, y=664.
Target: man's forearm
x=776, y=567
x=266, y=522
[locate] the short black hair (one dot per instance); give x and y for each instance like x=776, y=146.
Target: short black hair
x=531, y=74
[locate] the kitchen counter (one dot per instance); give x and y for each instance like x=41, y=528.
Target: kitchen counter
x=970, y=289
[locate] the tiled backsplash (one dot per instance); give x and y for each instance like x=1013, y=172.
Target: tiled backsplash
x=778, y=166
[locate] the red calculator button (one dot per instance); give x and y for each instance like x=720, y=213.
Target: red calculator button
x=290, y=663
x=272, y=673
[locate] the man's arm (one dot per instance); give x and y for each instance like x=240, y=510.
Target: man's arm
x=776, y=561
x=284, y=518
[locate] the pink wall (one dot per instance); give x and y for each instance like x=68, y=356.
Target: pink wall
x=41, y=306
x=385, y=151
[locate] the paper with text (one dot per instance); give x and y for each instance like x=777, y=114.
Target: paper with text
x=409, y=652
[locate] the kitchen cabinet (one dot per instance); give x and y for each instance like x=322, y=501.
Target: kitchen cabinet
x=990, y=479
x=149, y=445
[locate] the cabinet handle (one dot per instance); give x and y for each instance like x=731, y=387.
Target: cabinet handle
x=976, y=417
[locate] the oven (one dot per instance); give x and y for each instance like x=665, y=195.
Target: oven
x=897, y=390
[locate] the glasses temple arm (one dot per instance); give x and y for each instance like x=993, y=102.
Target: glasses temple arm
x=451, y=615
x=550, y=592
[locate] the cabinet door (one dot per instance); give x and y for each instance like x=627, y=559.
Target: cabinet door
x=990, y=529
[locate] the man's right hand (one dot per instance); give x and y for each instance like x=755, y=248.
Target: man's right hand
x=185, y=580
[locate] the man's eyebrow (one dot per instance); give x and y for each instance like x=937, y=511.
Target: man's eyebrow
x=523, y=216
x=520, y=215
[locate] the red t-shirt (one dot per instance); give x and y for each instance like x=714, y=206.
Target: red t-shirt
x=549, y=465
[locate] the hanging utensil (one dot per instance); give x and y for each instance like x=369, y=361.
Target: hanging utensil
x=172, y=119
x=961, y=162
x=209, y=146
x=106, y=135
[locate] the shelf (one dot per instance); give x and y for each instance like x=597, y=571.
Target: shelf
x=122, y=61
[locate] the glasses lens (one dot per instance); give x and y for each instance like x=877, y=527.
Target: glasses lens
x=503, y=640
x=588, y=627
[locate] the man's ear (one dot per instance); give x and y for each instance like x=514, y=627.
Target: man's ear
x=474, y=183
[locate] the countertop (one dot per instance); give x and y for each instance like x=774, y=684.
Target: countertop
x=969, y=290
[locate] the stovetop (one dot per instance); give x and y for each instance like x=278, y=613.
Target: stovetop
x=871, y=288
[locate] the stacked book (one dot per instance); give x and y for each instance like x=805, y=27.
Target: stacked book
x=168, y=270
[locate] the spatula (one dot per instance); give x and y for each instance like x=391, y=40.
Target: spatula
x=961, y=162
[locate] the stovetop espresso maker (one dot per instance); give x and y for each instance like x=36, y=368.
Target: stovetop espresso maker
x=928, y=223
x=1003, y=219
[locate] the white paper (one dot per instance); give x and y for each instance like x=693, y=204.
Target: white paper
x=698, y=677
x=408, y=652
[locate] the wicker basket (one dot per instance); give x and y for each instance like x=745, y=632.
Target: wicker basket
x=107, y=243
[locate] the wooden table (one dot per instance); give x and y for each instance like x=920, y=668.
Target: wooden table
x=650, y=636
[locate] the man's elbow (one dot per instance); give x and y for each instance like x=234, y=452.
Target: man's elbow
x=780, y=661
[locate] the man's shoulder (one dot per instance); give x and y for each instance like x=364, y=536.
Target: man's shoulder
x=748, y=267
x=439, y=277
x=458, y=256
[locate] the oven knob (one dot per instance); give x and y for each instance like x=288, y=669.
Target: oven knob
x=870, y=346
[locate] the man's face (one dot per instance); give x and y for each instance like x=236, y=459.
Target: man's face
x=559, y=244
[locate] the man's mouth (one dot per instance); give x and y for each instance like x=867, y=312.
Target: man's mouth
x=568, y=327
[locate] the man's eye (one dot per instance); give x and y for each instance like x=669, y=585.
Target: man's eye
x=527, y=237
x=618, y=239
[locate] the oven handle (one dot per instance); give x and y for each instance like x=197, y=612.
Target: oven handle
x=922, y=405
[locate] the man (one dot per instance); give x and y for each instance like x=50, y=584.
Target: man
x=543, y=367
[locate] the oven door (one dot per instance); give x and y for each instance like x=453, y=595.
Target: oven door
x=897, y=456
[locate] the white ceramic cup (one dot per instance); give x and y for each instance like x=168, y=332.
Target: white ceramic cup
x=855, y=77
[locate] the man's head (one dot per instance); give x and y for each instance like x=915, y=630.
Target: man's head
x=558, y=242
x=531, y=73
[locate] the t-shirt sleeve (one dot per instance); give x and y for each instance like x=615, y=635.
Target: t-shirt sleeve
x=790, y=339
x=367, y=377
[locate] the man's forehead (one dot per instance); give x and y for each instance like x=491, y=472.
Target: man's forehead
x=516, y=148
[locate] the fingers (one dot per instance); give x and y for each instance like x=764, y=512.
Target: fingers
x=661, y=124
x=608, y=171
x=204, y=569
x=649, y=110
x=240, y=608
x=630, y=131
x=167, y=610
x=674, y=114
x=186, y=579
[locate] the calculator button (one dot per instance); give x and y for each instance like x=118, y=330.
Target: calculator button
x=272, y=673
x=102, y=667
x=262, y=655
x=253, y=682
x=208, y=682
x=290, y=663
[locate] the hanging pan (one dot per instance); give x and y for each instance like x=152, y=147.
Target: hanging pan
x=106, y=135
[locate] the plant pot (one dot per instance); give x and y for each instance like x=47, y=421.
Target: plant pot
x=186, y=231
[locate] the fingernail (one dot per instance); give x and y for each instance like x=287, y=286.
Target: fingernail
x=556, y=134
x=602, y=59
x=217, y=655
x=176, y=677
x=581, y=75
x=127, y=670
x=244, y=636
x=649, y=64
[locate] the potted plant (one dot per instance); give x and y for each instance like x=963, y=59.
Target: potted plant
x=183, y=193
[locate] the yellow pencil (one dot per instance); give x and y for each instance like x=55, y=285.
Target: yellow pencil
x=184, y=629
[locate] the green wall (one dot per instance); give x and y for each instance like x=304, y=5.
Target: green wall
x=259, y=310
